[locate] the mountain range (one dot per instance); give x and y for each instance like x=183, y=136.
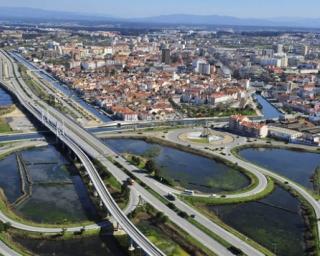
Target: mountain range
x=11, y=13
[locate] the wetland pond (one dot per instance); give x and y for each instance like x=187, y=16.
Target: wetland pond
x=275, y=222
x=58, y=192
x=298, y=166
x=188, y=170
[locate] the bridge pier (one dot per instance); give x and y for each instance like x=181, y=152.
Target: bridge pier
x=131, y=247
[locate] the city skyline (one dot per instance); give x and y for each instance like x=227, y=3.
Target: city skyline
x=143, y=8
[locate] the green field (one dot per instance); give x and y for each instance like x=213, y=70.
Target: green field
x=4, y=127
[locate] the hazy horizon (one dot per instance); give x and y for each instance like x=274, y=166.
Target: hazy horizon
x=145, y=8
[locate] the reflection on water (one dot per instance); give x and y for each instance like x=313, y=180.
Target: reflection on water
x=88, y=246
x=267, y=110
x=58, y=192
x=5, y=98
x=297, y=166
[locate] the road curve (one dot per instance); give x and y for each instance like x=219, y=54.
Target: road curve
x=306, y=195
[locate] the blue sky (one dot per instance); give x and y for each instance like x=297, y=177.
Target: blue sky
x=143, y=8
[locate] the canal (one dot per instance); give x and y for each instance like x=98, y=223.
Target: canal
x=268, y=110
x=65, y=89
x=5, y=98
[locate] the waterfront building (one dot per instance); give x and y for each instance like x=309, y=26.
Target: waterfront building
x=242, y=125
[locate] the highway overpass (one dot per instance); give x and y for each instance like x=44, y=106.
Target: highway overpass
x=50, y=118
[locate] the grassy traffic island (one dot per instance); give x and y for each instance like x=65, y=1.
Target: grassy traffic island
x=120, y=192
x=146, y=163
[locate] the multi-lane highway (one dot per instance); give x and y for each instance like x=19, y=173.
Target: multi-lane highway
x=82, y=141
x=95, y=148
x=59, y=124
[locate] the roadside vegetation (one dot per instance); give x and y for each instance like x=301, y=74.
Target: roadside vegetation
x=194, y=111
x=316, y=180
x=172, y=240
x=4, y=126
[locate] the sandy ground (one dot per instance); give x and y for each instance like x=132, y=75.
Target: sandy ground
x=18, y=121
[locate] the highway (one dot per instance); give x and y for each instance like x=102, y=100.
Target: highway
x=7, y=251
x=260, y=172
x=95, y=148
x=199, y=217
x=35, y=106
x=303, y=192
x=42, y=74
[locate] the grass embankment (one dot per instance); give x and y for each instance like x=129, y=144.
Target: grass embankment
x=316, y=180
x=236, y=150
x=223, y=199
x=6, y=238
x=120, y=192
x=7, y=210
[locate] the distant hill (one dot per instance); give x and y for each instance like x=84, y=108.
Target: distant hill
x=229, y=20
x=179, y=19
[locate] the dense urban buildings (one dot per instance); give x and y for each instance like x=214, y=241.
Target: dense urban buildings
x=172, y=135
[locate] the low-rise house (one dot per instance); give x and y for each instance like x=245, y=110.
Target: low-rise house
x=284, y=134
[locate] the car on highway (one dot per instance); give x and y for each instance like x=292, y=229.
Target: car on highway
x=188, y=192
x=130, y=181
x=171, y=197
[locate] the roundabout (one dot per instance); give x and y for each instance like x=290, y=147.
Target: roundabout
x=202, y=136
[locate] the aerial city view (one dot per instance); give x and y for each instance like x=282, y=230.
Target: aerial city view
x=171, y=127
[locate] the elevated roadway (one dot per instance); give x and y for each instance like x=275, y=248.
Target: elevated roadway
x=54, y=121
x=80, y=141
